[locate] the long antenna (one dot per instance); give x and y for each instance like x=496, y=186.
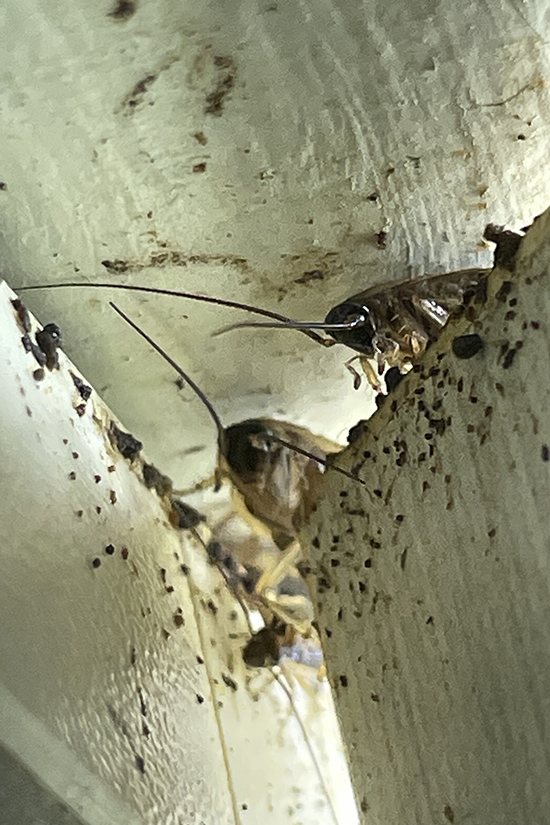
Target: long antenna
x=328, y=464
x=301, y=326
x=174, y=294
x=187, y=378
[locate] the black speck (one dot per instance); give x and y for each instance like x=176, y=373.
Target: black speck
x=508, y=359
x=96, y=563
x=199, y=167
x=183, y=516
x=430, y=620
x=368, y=563
x=231, y=683
x=72, y=475
x=39, y=374
x=128, y=446
x=117, y=266
x=466, y=346
x=49, y=339
x=184, y=569
x=343, y=680
x=123, y=10
x=545, y=452
x=110, y=549
x=140, y=763
x=84, y=390
x=393, y=378
x=23, y=317
x=403, y=559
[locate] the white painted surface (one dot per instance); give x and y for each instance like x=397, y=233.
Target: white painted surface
x=328, y=98
x=123, y=711
x=436, y=589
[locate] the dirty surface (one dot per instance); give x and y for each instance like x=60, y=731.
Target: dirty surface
x=431, y=583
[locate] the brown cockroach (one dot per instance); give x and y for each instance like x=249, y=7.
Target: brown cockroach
x=392, y=324
x=276, y=467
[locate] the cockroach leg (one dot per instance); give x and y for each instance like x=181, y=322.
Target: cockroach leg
x=357, y=377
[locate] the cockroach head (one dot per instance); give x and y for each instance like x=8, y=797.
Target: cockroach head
x=361, y=335
x=245, y=448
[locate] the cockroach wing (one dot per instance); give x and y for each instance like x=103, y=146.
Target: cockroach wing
x=409, y=315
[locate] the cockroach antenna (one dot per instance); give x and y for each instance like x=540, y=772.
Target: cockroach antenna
x=174, y=293
x=187, y=378
x=301, y=326
x=328, y=464
x=222, y=441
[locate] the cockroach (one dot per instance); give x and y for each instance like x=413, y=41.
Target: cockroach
x=392, y=324
x=276, y=467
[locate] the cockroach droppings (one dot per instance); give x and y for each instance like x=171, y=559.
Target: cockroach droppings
x=183, y=516
x=466, y=346
x=128, y=446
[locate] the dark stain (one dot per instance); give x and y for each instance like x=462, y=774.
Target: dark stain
x=381, y=239
x=507, y=244
x=154, y=479
x=231, y=683
x=225, y=80
x=83, y=389
x=262, y=649
x=183, y=516
x=201, y=138
x=466, y=346
x=393, y=378
x=23, y=317
x=311, y=275
x=504, y=290
x=128, y=446
x=199, y=167
x=49, y=340
x=136, y=95
x=173, y=257
x=508, y=359
x=448, y=813
x=123, y=11
x=116, y=267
